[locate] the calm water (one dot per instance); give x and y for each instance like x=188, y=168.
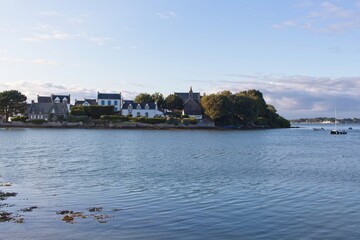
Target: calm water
x=272, y=184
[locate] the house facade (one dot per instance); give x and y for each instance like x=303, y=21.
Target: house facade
x=110, y=99
x=55, y=98
x=149, y=110
x=47, y=111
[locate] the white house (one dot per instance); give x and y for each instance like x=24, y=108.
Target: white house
x=110, y=99
x=85, y=102
x=149, y=110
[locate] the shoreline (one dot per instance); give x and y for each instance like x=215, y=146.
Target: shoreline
x=126, y=126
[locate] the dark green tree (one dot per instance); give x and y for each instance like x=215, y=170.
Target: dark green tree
x=143, y=98
x=95, y=112
x=174, y=102
x=159, y=99
x=12, y=102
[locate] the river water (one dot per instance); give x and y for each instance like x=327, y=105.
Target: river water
x=182, y=184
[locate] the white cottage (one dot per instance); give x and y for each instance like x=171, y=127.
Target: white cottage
x=110, y=99
x=149, y=110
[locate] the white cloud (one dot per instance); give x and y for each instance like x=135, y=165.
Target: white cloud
x=99, y=40
x=38, y=61
x=43, y=33
x=325, y=17
x=33, y=88
x=166, y=15
x=299, y=96
x=50, y=14
x=48, y=36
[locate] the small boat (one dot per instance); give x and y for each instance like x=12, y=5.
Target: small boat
x=335, y=131
x=318, y=129
x=350, y=128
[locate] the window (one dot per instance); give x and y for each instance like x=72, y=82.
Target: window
x=102, y=102
x=109, y=102
x=146, y=114
x=138, y=106
x=115, y=109
x=130, y=108
x=138, y=114
x=147, y=106
x=115, y=103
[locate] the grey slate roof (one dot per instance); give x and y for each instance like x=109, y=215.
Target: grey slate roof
x=81, y=102
x=46, y=108
x=61, y=97
x=109, y=96
x=135, y=104
x=191, y=107
x=185, y=96
x=44, y=99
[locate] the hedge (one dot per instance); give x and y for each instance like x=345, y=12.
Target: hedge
x=19, y=119
x=114, y=118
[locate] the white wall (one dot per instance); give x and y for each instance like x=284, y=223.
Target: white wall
x=111, y=102
x=151, y=112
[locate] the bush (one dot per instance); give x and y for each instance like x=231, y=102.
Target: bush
x=188, y=121
x=193, y=121
x=148, y=120
x=173, y=120
x=114, y=118
x=95, y=112
x=19, y=119
x=78, y=110
x=261, y=121
x=72, y=118
x=37, y=121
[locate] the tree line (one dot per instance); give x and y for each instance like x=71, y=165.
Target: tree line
x=242, y=108
x=224, y=108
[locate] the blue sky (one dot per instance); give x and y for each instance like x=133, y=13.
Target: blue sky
x=304, y=55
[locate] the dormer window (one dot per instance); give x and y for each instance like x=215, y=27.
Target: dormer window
x=138, y=106
x=130, y=108
x=147, y=106
x=64, y=100
x=53, y=110
x=57, y=100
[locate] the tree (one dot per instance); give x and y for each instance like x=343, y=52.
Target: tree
x=174, y=102
x=159, y=99
x=143, y=98
x=216, y=106
x=12, y=102
x=95, y=112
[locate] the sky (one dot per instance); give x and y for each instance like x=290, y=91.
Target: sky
x=303, y=55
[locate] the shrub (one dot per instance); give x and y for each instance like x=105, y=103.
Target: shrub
x=95, y=112
x=77, y=110
x=148, y=120
x=72, y=118
x=37, y=121
x=114, y=118
x=261, y=121
x=188, y=121
x=19, y=119
x=173, y=120
x=193, y=121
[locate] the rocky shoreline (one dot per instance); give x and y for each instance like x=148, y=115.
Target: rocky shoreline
x=107, y=125
x=127, y=125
